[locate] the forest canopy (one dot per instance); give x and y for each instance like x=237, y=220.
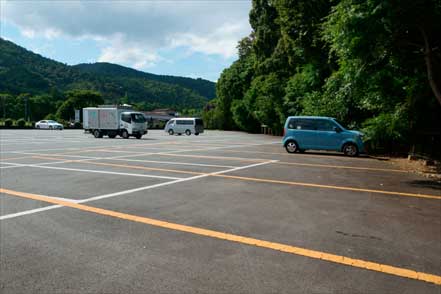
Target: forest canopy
x=375, y=65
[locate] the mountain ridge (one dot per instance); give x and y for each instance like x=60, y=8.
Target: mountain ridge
x=23, y=71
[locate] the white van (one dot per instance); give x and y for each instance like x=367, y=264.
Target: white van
x=184, y=125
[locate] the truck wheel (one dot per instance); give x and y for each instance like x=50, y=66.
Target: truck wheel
x=171, y=132
x=188, y=132
x=138, y=136
x=125, y=134
x=97, y=134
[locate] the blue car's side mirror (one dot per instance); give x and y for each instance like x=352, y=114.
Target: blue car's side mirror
x=337, y=129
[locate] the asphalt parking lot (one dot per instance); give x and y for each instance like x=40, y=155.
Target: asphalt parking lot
x=223, y=212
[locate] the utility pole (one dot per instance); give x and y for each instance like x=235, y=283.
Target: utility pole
x=3, y=106
x=26, y=100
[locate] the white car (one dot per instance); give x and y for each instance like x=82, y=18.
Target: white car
x=48, y=124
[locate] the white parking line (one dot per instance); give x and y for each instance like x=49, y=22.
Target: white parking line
x=130, y=191
x=173, y=162
x=101, y=172
x=26, y=212
x=86, y=158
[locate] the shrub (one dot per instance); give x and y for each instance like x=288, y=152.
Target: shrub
x=20, y=123
x=51, y=116
x=8, y=122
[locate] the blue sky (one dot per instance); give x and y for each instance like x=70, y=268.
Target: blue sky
x=186, y=38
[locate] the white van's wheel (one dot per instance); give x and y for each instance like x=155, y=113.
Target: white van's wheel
x=188, y=132
x=171, y=132
x=125, y=134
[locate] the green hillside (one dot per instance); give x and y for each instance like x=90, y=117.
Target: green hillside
x=22, y=71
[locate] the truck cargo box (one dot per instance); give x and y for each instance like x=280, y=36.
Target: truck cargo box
x=100, y=118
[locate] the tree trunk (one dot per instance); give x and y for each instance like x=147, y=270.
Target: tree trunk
x=428, y=57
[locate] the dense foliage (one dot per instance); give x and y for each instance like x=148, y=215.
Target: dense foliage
x=22, y=71
x=372, y=64
x=58, y=106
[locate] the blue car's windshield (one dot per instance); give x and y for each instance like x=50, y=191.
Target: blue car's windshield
x=341, y=125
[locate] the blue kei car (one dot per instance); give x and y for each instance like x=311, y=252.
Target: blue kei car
x=320, y=133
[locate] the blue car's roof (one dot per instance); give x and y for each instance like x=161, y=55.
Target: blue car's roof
x=312, y=117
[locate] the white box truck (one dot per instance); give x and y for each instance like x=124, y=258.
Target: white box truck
x=114, y=120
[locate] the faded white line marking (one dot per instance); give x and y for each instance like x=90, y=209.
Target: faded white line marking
x=130, y=191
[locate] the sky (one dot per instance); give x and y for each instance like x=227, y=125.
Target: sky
x=184, y=38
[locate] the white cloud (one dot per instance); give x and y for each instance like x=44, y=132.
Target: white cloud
x=132, y=32
x=123, y=53
x=222, y=41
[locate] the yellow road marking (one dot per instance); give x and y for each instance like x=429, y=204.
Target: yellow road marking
x=216, y=157
x=330, y=187
x=14, y=158
x=54, y=158
x=143, y=168
x=294, y=163
x=97, y=148
x=88, y=161
x=330, y=156
x=341, y=166
x=302, y=184
x=338, y=259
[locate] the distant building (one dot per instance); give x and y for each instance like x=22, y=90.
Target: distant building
x=159, y=117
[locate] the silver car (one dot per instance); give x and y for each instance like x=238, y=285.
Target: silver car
x=48, y=124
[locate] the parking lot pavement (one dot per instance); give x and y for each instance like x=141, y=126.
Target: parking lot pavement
x=224, y=212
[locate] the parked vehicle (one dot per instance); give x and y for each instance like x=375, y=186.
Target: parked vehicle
x=113, y=121
x=320, y=133
x=48, y=124
x=184, y=125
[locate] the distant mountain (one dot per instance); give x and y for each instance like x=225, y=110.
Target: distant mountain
x=22, y=71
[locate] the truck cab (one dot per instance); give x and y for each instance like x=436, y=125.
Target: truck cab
x=134, y=123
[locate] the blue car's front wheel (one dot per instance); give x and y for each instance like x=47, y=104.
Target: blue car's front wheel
x=291, y=147
x=350, y=149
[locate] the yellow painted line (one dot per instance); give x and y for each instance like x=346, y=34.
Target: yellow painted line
x=97, y=148
x=341, y=166
x=125, y=166
x=143, y=168
x=53, y=158
x=14, y=158
x=302, y=184
x=307, y=154
x=330, y=187
x=216, y=157
x=338, y=259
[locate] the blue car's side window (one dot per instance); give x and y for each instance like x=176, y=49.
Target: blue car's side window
x=325, y=125
x=306, y=124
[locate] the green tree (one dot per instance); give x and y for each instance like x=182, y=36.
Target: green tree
x=78, y=99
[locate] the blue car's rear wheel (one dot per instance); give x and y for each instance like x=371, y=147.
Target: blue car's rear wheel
x=291, y=147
